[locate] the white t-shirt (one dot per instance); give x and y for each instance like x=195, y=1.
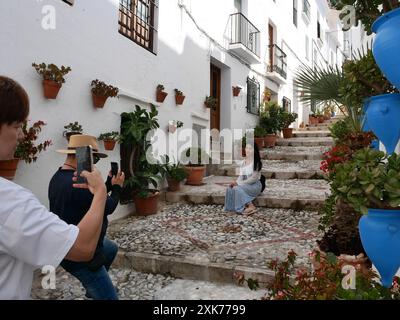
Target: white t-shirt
x=30, y=238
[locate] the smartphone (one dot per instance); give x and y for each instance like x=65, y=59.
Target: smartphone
x=114, y=168
x=84, y=157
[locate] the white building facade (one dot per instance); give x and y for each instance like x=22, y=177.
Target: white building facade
x=200, y=47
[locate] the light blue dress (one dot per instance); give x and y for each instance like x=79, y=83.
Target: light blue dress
x=248, y=189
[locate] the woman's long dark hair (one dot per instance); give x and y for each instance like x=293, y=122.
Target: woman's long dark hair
x=257, y=159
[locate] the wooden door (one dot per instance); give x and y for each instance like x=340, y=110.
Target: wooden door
x=271, y=45
x=215, y=91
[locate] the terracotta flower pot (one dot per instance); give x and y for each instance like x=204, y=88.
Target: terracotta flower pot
x=173, y=185
x=147, y=206
x=51, y=89
x=270, y=140
x=179, y=100
x=287, y=133
x=195, y=175
x=99, y=101
x=161, y=95
x=236, y=91
x=321, y=119
x=109, y=144
x=260, y=143
x=313, y=120
x=8, y=168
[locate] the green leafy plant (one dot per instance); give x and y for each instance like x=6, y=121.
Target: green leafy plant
x=73, y=127
x=114, y=135
x=135, y=128
x=370, y=180
x=339, y=130
x=51, y=72
x=178, y=93
x=197, y=157
x=270, y=118
x=160, y=87
x=367, y=11
x=173, y=171
x=259, y=132
x=100, y=88
x=287, y=118
x=27, y=150
x=324, y=281
x=211, y=102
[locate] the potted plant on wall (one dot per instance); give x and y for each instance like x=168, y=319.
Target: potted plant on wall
x=26, y=150
x=101, y=92
x=236, y=91
x=179, y=97
x=173, y=125
x=71, y=129
x=109, y=139
x=211, y=103
x=286, y=119
x=143, y=173
x=196, y=167
x=174, y=172
x=53, y=78
x=160, y=94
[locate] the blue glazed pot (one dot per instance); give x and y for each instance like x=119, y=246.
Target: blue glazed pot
x=380, y=236
x=375, y=143
x=383, y=118
x=386, y=46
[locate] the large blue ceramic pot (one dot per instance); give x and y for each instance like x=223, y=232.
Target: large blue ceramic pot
x=375, y=143
x=380, y=236
x=386, y=46
x=383, y=118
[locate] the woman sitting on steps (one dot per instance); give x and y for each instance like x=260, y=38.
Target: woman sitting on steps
x=241, y=193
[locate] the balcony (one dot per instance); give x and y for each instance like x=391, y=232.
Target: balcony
x=277, y=67
x=244, y=38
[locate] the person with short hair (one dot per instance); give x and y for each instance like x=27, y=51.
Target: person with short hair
x=30, y=235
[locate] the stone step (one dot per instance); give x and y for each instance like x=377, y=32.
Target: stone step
x=281, y=170
x=202, y=242
x=306, y=142
x=286, y=194
x=311, y=134
x=293, y=153
x=322, y=128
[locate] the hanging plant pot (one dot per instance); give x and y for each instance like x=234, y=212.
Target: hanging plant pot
x=109, y=144
x=161, y=95
x=8, y=168
x=179, y=100
x=99, y=101
x=386, y=45
x=380, y=236
x=173, y=185
x=195, y=175
x=236, y=91
x=51, y=89
x=147, y=206
x=383, y=114
x=270, y=140
x=287, y=133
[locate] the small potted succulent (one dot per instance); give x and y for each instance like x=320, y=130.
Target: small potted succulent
x=109, y=139
x=101, y=92
x=53, y=78
x=173, y=125
x=26, y=150
x=179, y=97
x=174, y=172
x=160, y=94
x=211, y=103
x=71, y=129
x=236, y=91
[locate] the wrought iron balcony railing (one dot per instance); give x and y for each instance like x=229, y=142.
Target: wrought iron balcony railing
x=278, y=60
x=245, y=33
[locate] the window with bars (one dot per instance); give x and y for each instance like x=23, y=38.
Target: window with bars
x=137, y=21
x=253, y=96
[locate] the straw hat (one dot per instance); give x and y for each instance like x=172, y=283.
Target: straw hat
x=81, y=140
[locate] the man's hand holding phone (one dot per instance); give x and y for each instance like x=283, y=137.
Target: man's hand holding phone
x=95, y=182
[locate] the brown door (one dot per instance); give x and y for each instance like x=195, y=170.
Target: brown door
x=271, y=44
x=215, y=91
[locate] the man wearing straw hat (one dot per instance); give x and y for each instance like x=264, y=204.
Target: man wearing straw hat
x=71, y=204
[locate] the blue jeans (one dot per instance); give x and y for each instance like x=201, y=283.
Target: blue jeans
x=97, y=283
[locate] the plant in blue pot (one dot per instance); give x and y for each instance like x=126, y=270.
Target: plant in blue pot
x=370, y=182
